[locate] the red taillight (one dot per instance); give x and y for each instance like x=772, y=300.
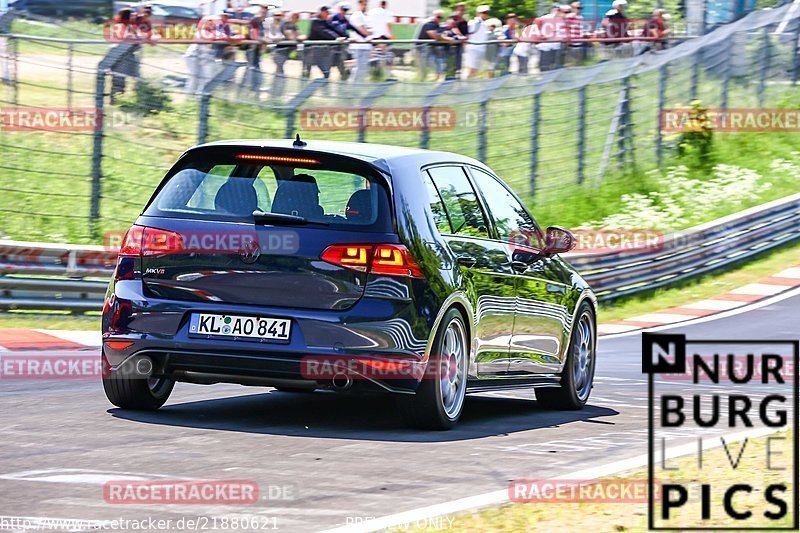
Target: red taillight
x=141, y=241
x=381, y=259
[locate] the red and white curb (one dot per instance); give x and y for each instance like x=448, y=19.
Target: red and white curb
x=23, y=340
x=747, y=295
x=14, y=340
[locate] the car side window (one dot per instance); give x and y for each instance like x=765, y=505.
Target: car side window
x=437, y=205
x=511, y=219
x=460, y=201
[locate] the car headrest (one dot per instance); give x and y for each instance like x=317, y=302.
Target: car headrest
x=298, y=196
x=237, y=197
x=359, y=207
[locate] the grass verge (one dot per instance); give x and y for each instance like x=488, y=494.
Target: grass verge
x=618, y=516
x=703, y=287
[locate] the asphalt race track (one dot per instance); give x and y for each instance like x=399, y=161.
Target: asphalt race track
x=333, y=456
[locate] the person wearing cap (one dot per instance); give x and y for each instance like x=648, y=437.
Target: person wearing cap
x=322, y=29
x=479, y=34
x=615, y=23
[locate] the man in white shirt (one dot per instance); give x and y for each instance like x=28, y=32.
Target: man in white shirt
x=361, y=48
x=381, y=20
x=474, y=54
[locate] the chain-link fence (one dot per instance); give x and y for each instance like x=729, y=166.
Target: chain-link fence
x=545, y=133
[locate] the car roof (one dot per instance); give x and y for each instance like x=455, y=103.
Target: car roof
x=379, y=155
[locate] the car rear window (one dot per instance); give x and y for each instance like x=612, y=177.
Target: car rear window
x=334, y=192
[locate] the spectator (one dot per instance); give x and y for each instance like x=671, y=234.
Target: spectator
x=260, y=30
x=427, y=55
x=322, y=29
x=129, y=65
x=615, y=23
x=360, y=48
x=493, y=49
x=342, y=22
x=462, y=25
x=289, y=31
x=550, y=27
x=380, y=21
x=575, y=31
x=656, y=30
x=523, y=49
x=452, y=52
x=508, y=33
x=479, y=34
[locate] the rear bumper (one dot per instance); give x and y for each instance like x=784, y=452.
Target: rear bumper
x=374, y=328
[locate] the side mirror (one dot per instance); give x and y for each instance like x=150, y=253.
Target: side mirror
x=558, y=241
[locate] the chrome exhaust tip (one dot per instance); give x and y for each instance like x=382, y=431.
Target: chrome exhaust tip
x=341, y=382
x=144, y=366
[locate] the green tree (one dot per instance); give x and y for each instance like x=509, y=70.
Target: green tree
x=526, y=9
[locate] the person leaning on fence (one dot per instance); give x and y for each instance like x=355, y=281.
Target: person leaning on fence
x=128, y=65
x=578, y=50
x=656, y=31
x=322, y=29
x=452, y=52
x=428, y=56
x=260, y=28
x=615, y=24
x=479, y=34
x=380, y=22
x=507, y=33
x=549, y=27
x=360, y=48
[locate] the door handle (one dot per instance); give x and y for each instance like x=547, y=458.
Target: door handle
x=519, y=267
x=466, y=261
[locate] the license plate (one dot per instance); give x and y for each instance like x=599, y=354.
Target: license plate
x=240, y=327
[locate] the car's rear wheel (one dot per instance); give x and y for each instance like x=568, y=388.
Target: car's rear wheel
x=137, y=392
x=439, y=399
x=577, y=378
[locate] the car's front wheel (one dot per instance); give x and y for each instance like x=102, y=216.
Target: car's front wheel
x=577, y=378
x=137, y=392
x=439, y=399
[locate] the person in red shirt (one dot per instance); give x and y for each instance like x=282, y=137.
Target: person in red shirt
x=656, y=29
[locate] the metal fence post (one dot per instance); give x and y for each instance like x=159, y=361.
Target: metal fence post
x=483, y=116
x=430, y=98
x=366, y=104
x=307, y=92
x=663, y=75
x=624, y=122
x=695, y=74
x=222, y=76
x=726, y=80
x=796, y=57
x=483, y=126
x=581, y=132
x=535, y=141
x=764, y=71
x=97, y=150
x=106, y=65
x=70, y=53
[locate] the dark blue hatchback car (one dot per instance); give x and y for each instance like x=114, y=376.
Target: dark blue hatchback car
x=351, y=267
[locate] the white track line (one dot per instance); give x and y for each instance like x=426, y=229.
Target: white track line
x=499, y=497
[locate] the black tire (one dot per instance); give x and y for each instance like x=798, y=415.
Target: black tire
x=574, y=392
x=137, y=393
x=427, y=409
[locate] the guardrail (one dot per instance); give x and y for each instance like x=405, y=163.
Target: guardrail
x=67, y=277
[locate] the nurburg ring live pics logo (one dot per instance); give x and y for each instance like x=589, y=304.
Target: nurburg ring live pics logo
x=733, y=405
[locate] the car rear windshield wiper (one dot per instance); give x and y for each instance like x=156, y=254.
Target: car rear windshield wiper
x=260, y=217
